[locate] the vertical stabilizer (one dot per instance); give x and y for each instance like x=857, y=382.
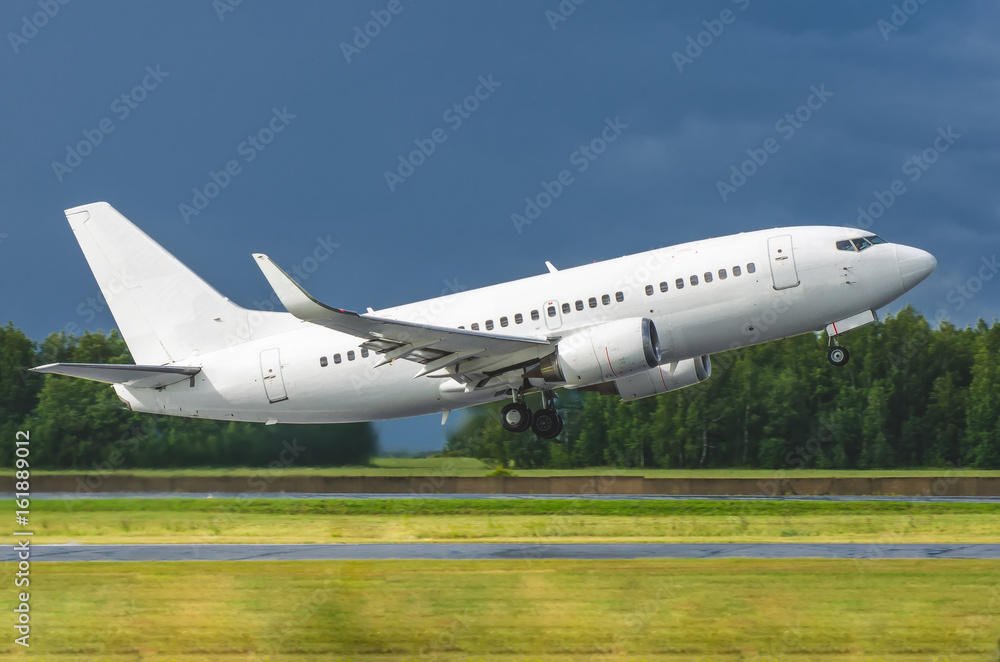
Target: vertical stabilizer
x=164, y=311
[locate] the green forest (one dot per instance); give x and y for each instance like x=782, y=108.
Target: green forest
x=911, y=396
x=79, y=424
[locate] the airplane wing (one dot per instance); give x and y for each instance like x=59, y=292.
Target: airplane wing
x=148, y=376
x=472, y=353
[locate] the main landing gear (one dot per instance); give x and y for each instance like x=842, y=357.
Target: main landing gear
x=839, y=356
x=546, y=422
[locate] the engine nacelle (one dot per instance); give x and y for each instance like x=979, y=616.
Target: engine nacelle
x=602, y=353
x=664, y=378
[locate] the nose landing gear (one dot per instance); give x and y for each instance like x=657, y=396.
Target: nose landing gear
x=546, y=422
x=839, y=356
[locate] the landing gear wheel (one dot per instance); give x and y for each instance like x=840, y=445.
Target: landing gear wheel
x=547, y=424
x=839, y=356
x=515, y=417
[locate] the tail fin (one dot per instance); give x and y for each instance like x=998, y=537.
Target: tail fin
x=164, y=311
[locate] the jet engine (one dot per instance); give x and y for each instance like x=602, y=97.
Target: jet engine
x=602, y=353
x=661, y=379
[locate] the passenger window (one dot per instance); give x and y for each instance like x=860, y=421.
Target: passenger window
x=605, y=299
x=708, y=276
x=649, y=290
x=663, y=286
x=475, y=326
x=350, y=355
x=579, y=305
x=723, y=275
x=679, y=283
x=845, y=245
x=534, y=315
x=619, y=297
x=323, y=362
x=364, y=352
x=592, y=302
x=489, y=325
x=336, y=358
x=751, y=268
x=503, y=321
x=551, y=311
x=462, y=327
x=737, y=272
x=694, y=280
x=566, y=308
x=518, y=319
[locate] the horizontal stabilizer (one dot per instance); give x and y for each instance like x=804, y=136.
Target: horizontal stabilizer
x=143, y=376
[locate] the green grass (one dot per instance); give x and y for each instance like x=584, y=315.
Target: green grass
x=464, y=466
x=549, y=611
x=500, y=506
x=506, y=520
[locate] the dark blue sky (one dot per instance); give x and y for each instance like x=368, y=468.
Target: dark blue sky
x=889, y=82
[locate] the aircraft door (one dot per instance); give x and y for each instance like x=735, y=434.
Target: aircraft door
x=553, y=318
x=270, y=372
x=782, y=259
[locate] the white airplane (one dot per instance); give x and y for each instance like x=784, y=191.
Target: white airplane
x=635, y=326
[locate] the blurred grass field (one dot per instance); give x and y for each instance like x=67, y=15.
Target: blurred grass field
x=506, y=520
x=670, y=610
x=466, y=466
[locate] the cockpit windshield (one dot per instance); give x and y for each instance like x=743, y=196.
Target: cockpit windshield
x=861, y=243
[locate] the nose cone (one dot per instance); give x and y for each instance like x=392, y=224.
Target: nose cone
x=914, y=265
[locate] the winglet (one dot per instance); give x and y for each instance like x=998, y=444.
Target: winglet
x=551, y=267
x=299, y=303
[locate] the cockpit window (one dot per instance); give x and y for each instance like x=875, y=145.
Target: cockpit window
x=861, y=243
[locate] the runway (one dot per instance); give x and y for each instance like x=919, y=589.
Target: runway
x=548, y=497
x=496, y=551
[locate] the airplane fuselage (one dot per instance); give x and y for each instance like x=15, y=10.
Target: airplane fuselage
x=703, y=297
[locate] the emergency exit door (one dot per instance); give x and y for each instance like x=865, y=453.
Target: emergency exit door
x=782, y=259
x=270, y=371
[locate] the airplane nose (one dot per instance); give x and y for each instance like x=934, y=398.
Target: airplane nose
x=914, y=265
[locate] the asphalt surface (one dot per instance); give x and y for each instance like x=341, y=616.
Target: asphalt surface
x=494, y=551
x=589, y=497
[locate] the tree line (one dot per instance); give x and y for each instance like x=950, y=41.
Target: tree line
x=911, y=396
x=80, y=424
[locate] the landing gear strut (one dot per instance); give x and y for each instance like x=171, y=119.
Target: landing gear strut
x=839, y=356
x=546, y=422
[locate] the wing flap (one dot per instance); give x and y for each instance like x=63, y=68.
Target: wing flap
x=144, y=376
